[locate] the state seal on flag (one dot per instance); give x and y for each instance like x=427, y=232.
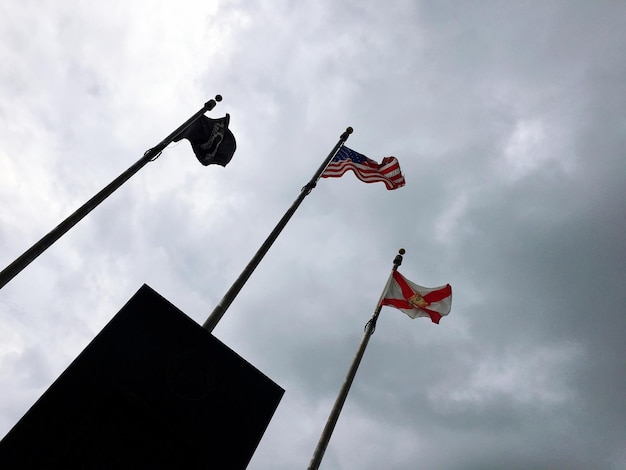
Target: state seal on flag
x=418, y=301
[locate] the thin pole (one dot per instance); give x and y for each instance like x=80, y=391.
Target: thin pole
x=219, y=311
x=42, y=245
x=347, y=383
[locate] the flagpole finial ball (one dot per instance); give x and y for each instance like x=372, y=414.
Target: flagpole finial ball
x=402, y=251
x=218, y=98
x=349, y=130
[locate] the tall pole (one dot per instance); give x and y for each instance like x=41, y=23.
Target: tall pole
x=219, y=311
x=347, y=383
x=42, y=245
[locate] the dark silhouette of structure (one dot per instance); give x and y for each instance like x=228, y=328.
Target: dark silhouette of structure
x=152, y=390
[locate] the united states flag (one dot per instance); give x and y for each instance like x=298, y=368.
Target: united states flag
x=365, y=169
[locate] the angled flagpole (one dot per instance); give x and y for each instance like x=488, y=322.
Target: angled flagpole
x=370, y=326
x=219, y=311
x=42, y=245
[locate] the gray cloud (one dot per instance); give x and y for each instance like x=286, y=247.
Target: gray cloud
x=508, y=121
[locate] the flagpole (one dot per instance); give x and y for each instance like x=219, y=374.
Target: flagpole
x=219, y=311
x=370, y=326
x=42, y=245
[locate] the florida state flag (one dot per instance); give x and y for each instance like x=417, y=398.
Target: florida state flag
x=417, y=301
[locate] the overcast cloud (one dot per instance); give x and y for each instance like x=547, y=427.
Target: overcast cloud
x=509, y=122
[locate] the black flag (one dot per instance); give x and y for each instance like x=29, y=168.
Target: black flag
x=211, y=140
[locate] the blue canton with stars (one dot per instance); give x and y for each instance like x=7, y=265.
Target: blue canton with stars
x=346, y=153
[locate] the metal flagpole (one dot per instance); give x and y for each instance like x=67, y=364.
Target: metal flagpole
x=370, y=326
x=42, y=245
x=219, y=311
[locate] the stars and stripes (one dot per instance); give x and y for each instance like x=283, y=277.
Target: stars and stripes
x=365, y=169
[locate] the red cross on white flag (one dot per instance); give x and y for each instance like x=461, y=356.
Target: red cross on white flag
x=417, y=301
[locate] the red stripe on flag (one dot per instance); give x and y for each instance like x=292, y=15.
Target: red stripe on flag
x=369, y=171
x=434, y=316
x=407, y=292
x=437, y=295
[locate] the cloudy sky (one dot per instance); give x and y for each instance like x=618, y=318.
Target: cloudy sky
x=509, y=122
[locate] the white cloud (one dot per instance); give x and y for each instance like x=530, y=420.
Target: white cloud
x=524, y=151
x=533, y=376
x=487, y=107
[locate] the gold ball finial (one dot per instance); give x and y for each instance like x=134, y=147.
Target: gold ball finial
x=402, y=251
x=349, y=130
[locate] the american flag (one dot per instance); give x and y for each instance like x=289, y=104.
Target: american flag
x=365, y=169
